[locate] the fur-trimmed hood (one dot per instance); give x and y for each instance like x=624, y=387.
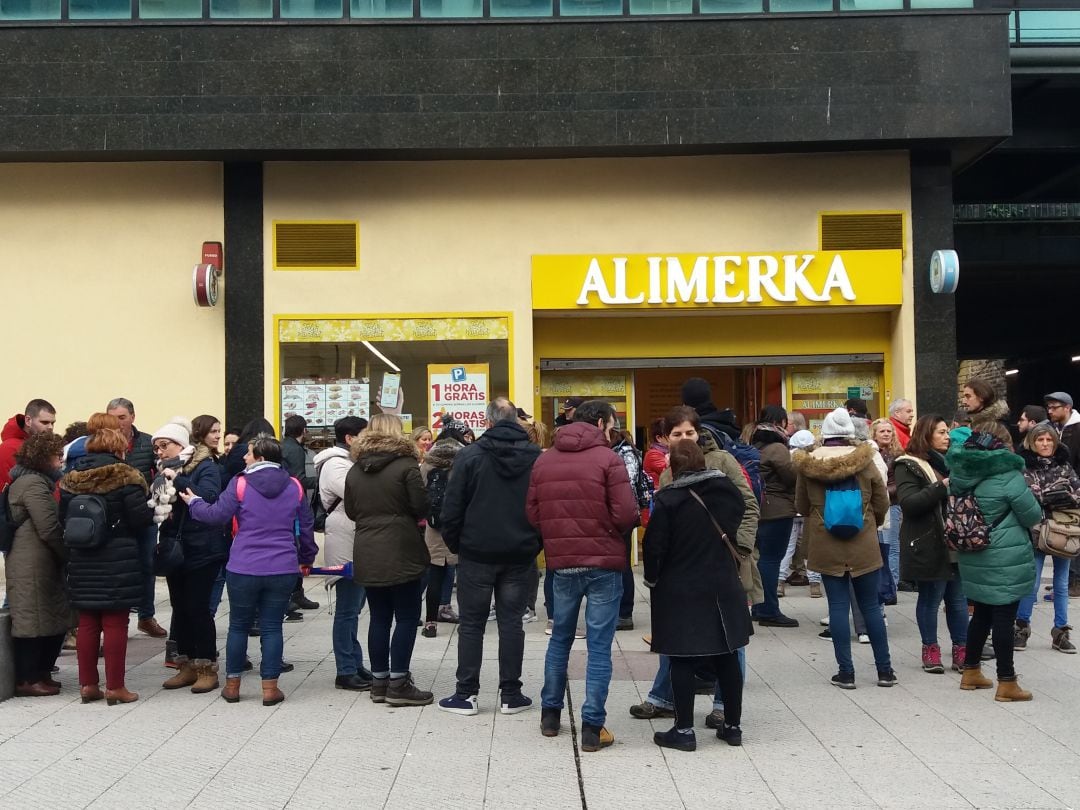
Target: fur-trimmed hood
x=373, y=451
x=201, y=454
x=834, y=463
x=696, y=478
x=766, y=433
x=973, y=465
x=994, y=412
x=98, y=473
x=441, y=454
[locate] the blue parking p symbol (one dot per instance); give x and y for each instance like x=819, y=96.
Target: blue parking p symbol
x=457, y=374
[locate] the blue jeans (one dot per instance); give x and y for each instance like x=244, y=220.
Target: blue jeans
x=393, y=613
x=931, y=592
x=866, y=595
x=660, y=694
x=601, y=590
x=772, y=541
x=348, y=654
x=1061, y=590
x=269, y=595
x=147, y=541
x=891, y=536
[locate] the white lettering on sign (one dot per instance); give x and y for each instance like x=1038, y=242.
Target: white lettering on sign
x=714, y=279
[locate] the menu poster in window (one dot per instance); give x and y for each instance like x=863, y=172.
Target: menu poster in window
x=460, y=391
x=347, y=398
x=388, y=394
x=306, y=398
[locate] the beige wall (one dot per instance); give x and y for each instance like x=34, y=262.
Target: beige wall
x=97, y=262
x=458, y=236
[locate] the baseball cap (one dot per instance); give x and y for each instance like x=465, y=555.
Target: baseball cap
x=573, y=402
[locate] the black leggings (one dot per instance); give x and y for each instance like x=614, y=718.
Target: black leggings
x=436, y=576
x=728, y=675
x=192, y=622
x=998, y=620
x=35, y=657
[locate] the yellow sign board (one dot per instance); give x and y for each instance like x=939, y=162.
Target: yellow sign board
x=721, y=281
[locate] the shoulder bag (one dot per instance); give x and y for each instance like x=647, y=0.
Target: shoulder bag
x=742, y=561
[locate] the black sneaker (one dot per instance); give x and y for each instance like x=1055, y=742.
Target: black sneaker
x=826, y=633
x=354, y=683
x=302, y=602
x=732, y=735
x=286, y=666
x=714, y=719
x=779, y=620
x=673, y=738
x=886, y=678
x=514, y=703
x=248, y=666
x=291, y=616
x=625, y=624
x=378, y=689
x=550, y=722
x=845, y=680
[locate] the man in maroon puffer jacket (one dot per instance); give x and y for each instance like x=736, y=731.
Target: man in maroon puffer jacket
x=581, y=501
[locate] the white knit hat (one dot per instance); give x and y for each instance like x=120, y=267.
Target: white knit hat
x=177, y=429
x=801, y=439
x=838, y=424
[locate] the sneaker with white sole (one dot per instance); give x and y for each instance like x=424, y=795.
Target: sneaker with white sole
x=550, y=626
x=513, y=704
x=529, y=617
x=460, y=704
x=824, y=622
x=864, y=638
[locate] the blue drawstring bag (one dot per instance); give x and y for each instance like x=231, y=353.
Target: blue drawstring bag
x=843, y=513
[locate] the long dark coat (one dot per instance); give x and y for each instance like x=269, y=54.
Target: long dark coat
x=922, y=498
x=698, y=603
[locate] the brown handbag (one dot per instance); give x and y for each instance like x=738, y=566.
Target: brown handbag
x=742, y=561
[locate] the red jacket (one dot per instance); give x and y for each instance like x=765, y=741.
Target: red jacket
x=13, y=436
x=903, y=432
x=580, y=500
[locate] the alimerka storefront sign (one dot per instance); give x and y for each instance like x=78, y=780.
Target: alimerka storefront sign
x=718, y=280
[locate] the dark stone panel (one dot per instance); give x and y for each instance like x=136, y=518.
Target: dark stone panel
x=662, y=86
x=243, y=299
x=935, y=315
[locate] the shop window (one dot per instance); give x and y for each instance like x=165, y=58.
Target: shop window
x=316, y=245
x=99, y=9
x=731, y=6
x=451, y=8
x=661, y=7
x=589, y=8
x=781, y=6
x=416, y=367
x=521, y=8
x=29, y=9
x=170, y=9
x=857, y=231
x=241, y=9
x=816, y=390
x=311, y=9
x=381, y=9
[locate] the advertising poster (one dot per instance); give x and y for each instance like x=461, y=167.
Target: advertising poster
x=460, y=390
x=388, y=394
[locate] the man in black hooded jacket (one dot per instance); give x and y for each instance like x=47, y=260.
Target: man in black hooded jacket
x=697, y=393
x=483, y=522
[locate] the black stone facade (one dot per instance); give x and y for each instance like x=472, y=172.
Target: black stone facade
x=126, y=92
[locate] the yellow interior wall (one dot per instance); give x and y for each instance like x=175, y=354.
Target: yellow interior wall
x=455, y=236
x=97, y=263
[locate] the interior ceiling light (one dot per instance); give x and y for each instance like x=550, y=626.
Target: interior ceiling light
x=381, y=356
x=1012, y=372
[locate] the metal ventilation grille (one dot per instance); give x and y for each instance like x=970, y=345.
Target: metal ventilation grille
x=316, y=245
x=862, y=231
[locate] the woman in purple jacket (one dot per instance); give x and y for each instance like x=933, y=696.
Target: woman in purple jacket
x=273, y=538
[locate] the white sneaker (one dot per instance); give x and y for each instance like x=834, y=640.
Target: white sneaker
x=550, y=625
x=824, y=622
x=863, y=638
x=529, y=617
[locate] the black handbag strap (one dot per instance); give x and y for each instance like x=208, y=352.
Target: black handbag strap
x=723, y=535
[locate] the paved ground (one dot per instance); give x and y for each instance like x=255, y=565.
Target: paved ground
x=923, y=743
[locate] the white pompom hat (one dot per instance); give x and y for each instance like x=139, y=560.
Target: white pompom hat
x=177, y=429
x=838, y=424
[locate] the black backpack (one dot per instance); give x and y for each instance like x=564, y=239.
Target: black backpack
x=87, y=523
x=7, y=525
x=320, y=512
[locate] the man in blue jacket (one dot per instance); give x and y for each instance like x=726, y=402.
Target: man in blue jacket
x=483, y=522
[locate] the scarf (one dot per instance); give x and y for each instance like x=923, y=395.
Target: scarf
x=903, y=432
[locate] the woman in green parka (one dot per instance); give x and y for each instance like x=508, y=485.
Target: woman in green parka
x=998, y=577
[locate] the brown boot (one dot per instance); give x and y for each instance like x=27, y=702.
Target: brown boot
x=271, y=694
x=207, y=676
x=403, y=692
x=90, y=693
x=120, y=695
x=1009, y=691
x=152, y=628
x=185, y=676
x=973, y=678
x=231, y=692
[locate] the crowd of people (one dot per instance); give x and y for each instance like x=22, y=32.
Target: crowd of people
x=964, y=511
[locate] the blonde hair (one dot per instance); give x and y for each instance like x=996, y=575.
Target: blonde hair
x=420, y=431
x=386, y=423
x=894, y=448
x=539, y=433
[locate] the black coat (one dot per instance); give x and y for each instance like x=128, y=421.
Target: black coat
x=483, y=515
x=923, y=553
x=141, y=454
x=109, y=577
x=203, y=544
x=698, y=603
